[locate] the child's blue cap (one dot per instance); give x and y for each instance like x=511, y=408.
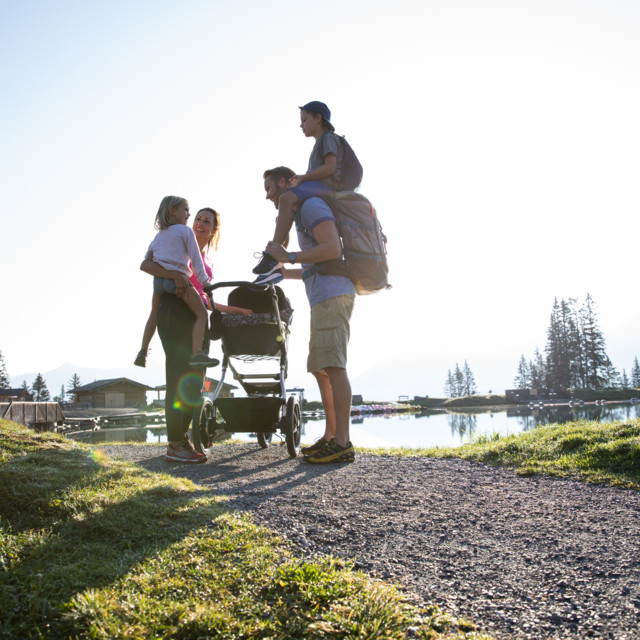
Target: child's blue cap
x=320, y=108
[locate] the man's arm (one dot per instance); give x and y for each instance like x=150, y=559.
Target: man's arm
x=328, y=247
x=154, y=269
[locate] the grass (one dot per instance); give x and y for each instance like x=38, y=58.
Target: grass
x=588, y=450
x=96, y=548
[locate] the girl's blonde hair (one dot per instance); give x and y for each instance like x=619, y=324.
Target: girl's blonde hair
x=215, y=238
x=163, y=217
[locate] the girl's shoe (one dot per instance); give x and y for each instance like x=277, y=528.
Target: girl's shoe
x=201, y=359
x=141, y=358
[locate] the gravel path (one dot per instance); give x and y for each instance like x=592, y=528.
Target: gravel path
x=525, y=557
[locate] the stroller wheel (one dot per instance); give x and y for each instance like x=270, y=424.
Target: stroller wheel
x=264, y=438
x=293, y=427
x=203, y=425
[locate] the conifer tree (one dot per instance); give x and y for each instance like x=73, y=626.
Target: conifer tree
x=624, y=380
x=469, y=381
x=39, y=389
x=72, y=386
x=61, y=397
x=635, y=374
x=538, y=370
x=523, y=376
x=596, y=360
x=611, y=375
x=449, y=385
x=5, y=382
x=459, y=381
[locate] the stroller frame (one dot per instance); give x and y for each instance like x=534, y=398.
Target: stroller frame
x=266, y=409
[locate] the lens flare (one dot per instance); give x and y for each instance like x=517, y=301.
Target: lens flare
x=189, y=390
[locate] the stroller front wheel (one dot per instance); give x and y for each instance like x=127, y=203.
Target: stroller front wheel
x=264, y=438
x=203, y=425
x=293, y=427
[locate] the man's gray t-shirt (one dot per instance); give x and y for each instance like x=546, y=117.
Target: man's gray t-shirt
x=320, y=288
x=327, y=143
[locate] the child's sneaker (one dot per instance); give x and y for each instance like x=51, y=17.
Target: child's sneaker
x=268, y=264
x=184, y=452
x=332, y=452
x=141, y=358
x=275, y=277
x=201, y=359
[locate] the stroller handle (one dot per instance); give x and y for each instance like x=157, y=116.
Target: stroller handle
x=236, y=283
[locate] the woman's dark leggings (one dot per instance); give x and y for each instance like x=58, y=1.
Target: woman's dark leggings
x=184, y=383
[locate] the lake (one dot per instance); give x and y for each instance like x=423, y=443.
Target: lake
x=410, y=430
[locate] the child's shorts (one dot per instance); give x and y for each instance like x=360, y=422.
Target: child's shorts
x=164, y=285
x=311, y=189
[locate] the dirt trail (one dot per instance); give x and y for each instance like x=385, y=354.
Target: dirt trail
x=526, y=557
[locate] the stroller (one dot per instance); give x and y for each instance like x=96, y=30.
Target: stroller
x=262, y=336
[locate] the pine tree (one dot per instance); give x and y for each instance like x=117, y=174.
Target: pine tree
x=449, y=385
x=72, y=386
x=523, y=376
x=469, y=381
x=538, y=371
x=559, y=347
x=624, y=380
x=635, y=374
x=39, y=389
x=459, y=381
x=61, y=397
x=595, y=354
x=611, y=375
x=5, y=382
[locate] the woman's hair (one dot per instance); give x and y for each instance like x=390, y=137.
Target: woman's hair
x=215, y=238
x=163, y=217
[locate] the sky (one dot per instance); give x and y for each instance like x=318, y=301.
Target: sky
x=499, y=141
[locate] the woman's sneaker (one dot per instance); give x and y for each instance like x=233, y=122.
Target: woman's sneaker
x=332, y=452
x=141, y=358
x=184, y=452
x=316, y=446
x=201, y=359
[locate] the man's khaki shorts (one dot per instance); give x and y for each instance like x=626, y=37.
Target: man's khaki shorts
x=330, y=333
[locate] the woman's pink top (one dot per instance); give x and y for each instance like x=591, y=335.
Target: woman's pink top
x=193, y=279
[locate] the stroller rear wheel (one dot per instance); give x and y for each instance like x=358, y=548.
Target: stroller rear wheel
x=203, y=425
x=264, y=438
x=293, y=427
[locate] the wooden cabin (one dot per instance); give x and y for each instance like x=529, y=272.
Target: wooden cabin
x=115, y=393
x=15, y=395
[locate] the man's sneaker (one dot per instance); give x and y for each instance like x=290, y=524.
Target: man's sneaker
x=274, y=277
x=184, y=452
x=201, y=359
x=316, y=446
x=332, y=452
x=141, y=358
x=268, y=264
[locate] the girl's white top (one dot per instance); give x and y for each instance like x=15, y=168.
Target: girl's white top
x=174, y=247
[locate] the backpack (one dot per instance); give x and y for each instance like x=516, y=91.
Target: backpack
x=351, y=174
x=364, y=245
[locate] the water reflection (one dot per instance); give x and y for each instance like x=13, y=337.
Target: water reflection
x=427, y=429
x=463, y=425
